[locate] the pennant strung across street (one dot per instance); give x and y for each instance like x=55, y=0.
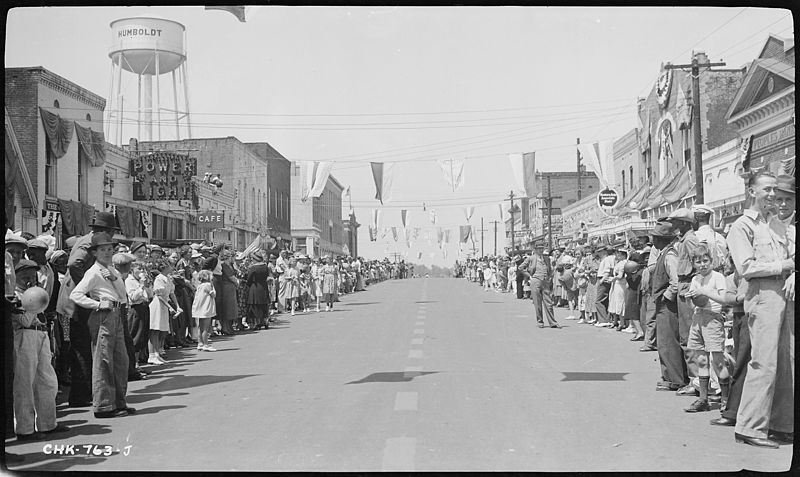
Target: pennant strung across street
x=468, y=211
x=502, y=214
x=599, y=158
x=447, y=236
x=523, y=167
x=432, y=216
x=419, y=255
x=439, y=235
x=465, y=231
x=373, y=234
x=376, y=214
x=453, y=170
x=313, y=177
x=383, y=174
x=394, y=233
x=384, y=231
x=404, y=217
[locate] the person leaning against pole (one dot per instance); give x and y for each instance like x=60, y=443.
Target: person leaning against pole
x=102, y=291
x=762, y=258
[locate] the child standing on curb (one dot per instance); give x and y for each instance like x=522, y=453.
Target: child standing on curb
x=204, y=308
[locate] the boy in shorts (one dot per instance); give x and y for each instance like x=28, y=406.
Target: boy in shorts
x=707, y=332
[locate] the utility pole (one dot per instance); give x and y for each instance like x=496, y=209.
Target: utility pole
x=578, y=154
x=549, y=200
x=495, y=222
x=482, y=231
x=696, y=130
x=511, y=211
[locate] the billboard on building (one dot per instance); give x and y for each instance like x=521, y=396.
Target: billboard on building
x=164, y=175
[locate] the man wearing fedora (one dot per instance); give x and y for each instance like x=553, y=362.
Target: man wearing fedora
x=683, y=220
x=664, y=290
x=102, y=292
x=80, y=260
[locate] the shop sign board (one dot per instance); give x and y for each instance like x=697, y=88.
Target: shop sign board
x=607, y=199
x=211, y=219
x=164, y=175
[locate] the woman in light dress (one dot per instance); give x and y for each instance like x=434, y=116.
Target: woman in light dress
x=316, y=281
x=163, y=305
x=292, y=279
x=619, y=287
x=328, y=283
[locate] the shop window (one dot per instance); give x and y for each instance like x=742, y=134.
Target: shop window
x=630, y=176
x=88, y=117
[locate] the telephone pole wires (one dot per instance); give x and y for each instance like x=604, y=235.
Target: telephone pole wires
x=696, y=129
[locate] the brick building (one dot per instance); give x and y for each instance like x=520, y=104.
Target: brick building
x=563, y=186
x=58, y=127
x=244, y=174
x=350, y=229
x=279, y=184
x=317, y=227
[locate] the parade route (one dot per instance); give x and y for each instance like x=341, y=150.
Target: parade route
x=418, y=374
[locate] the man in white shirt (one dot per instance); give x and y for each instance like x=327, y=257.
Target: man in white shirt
x=707, y=235
x=605, y=275
x=102, y=290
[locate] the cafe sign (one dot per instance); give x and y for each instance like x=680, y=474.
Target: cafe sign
x=211, y=219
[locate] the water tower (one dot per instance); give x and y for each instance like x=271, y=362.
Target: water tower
x=148, y=49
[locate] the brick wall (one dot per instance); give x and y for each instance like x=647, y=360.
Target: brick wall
x=723, y=85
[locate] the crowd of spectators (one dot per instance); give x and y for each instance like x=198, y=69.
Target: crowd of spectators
x=718, y=309
x=111, y=311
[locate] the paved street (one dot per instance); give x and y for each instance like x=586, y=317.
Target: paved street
x=418, y=374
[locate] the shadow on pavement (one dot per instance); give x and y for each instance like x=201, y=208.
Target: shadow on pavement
x=183, y=382
x=429, y=301
x=365, y=303
x=392, y=377
x=594, y=376
x=140, y=398
x=155, y=409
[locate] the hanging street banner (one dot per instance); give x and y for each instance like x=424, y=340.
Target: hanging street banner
x=211, y=219
x=164, y=175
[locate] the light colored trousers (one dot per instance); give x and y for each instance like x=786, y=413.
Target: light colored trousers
x=109, y=360
x=768, y=394
x=35, y=382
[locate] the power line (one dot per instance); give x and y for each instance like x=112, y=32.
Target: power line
x=711, y=33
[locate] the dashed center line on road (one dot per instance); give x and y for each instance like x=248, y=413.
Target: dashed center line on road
x=419, y=331
x=399, y=453
x=405, y=401
x=415, y=353
x=417, y=341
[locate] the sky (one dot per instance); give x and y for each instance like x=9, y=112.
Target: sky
x=411, y=85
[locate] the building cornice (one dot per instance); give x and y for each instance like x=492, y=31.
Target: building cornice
x=62, y=85
x=770, y=107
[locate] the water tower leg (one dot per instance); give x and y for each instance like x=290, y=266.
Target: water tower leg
x=139, y=110
x=148, y=107
x=186, y=97
x=157, y=79
x=117, y=106
x=175, y=105
x=110, y=125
